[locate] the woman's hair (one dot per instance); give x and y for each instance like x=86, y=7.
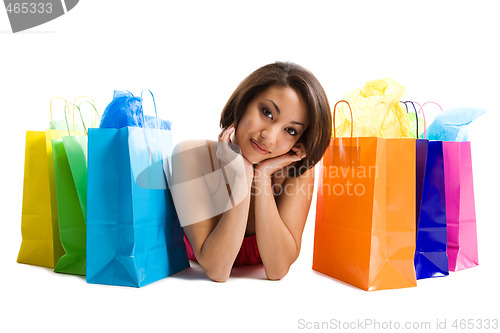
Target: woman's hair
x=316, y=137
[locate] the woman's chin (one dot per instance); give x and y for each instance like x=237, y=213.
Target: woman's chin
x=252, y=158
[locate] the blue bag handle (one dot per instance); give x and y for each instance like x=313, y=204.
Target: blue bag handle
x=416, y=116
x=154, y=103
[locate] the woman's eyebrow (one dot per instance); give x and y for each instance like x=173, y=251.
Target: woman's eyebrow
x=275, y=106
x=278, y=110
x=297, y=123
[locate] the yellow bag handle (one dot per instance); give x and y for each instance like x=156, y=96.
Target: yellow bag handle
x=53, y=98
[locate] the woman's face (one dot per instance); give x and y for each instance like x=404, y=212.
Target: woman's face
x=271, y=124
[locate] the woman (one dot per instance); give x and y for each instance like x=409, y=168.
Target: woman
x=280, y=120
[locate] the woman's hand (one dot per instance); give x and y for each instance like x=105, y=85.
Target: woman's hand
x=228, y=152
x=237, y=170
x=267, y=167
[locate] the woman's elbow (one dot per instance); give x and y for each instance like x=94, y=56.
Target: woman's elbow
x=280, y=269
x=277, y=273
x=216, y=271
x=217, y=276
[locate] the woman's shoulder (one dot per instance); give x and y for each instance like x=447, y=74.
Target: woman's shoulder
x=193, y=156
x=200, y=149
x=188, y=145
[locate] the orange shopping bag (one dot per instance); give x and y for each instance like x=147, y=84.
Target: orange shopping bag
x=365, y=214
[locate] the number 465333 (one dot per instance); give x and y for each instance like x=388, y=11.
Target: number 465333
x=475, y=324
x=29, y=8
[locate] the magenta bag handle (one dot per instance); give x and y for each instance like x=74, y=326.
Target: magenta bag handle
x=422, y=108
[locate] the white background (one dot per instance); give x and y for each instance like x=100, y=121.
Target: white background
x=192, y=55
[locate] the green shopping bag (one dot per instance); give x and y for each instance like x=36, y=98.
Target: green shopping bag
x=70, y=163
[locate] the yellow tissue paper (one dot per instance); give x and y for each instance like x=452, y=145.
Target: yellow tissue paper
x=377, y=111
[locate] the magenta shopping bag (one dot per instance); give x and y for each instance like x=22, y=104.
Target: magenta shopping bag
x=460, y=209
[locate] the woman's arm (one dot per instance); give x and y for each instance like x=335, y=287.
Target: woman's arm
x=216, y=241
x=279, y=223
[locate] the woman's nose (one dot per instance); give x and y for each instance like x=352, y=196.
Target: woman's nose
x=269, y=134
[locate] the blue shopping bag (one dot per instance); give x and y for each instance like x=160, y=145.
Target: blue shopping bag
x=133, y=234
x=431, y=259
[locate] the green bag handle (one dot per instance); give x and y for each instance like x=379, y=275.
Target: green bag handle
x=88, y=100
x=81, y=116
x=66, y=107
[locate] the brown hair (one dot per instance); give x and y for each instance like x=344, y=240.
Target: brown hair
x=316, y=137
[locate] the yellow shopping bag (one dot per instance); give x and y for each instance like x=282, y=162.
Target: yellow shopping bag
x=39, y=224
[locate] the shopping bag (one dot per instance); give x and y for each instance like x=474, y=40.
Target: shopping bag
x=460, y=206
x=39, y=222
x=70, y=163
x=431, y=259
x=70, y=214
x=365, y=214
x=451, y=127
x=133, y=234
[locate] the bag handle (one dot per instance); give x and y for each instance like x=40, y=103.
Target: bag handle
x=423, y=116
x=352, y=120
x=154, y=103
x=416, y=115
x=422, y=109
x=430, y=102
x=65, y=101
x=66, y=110
x=74, y=104
x=81, y=116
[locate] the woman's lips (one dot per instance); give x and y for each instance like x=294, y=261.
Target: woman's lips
x=258, y=147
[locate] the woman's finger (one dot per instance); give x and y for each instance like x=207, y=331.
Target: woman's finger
x=224, y=136
x=299, y=150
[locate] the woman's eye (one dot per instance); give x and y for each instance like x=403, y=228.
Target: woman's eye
x=291, y=131
x=267, y=113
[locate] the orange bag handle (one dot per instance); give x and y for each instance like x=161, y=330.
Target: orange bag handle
x=352, y=119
